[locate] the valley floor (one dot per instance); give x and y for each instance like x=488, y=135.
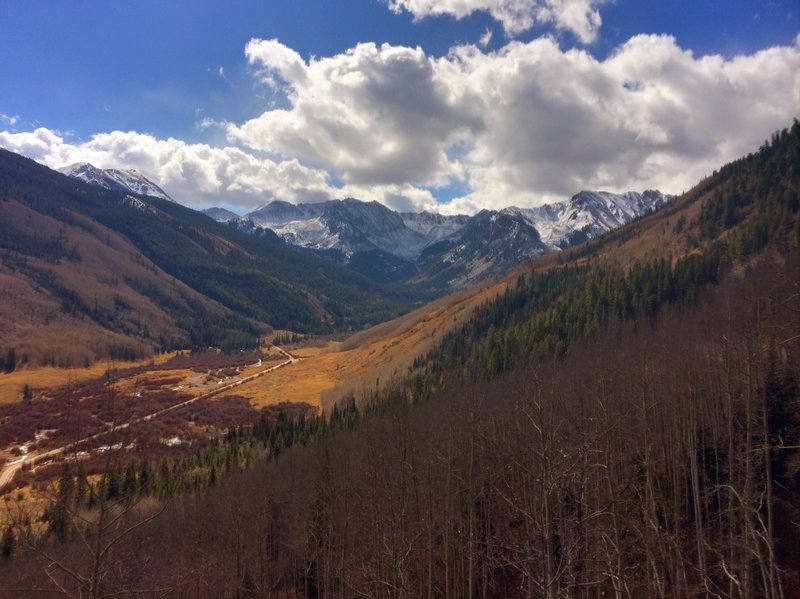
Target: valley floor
x=175, y=400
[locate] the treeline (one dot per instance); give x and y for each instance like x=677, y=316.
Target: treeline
x=763, y=186
x=8, y=360
x=51, y=249
x=79, y=488
x=287, y=338
x=63, y=356
x=82, y=489
x=545, y=312
x=229, y=331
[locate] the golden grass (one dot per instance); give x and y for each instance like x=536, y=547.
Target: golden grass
x=368, y=359
x=15, y=504
x=47, y=377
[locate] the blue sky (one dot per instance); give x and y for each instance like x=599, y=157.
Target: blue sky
x=215, y=124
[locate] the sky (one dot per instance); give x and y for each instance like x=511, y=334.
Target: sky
x=442, y=105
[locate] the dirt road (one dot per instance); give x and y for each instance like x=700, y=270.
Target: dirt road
x=10, y=469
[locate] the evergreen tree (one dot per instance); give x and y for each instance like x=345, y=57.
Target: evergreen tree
x=144, y=481
x=10, y=361
x=58, y=513
x=7, y=543
x=129, y=484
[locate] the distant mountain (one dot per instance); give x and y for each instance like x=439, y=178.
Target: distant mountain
x=221, y=215
x=387, y=246
x=588, y=214
x=131, y=181
x=446, y=251
x=489, y=245
x=346, y=225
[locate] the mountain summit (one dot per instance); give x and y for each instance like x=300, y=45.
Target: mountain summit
x=346, y=225
x=128, y=181
x=588, y=214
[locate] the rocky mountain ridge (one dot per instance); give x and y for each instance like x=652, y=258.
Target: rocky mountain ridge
x=455, y=250
x=448, y=251
x=130, y=181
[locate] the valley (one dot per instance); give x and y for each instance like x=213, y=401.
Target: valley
x=313, y=375
x=400, y=299
x=565, y=425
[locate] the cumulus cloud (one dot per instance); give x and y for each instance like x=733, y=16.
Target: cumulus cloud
x=581, y=17
x=526, y=124
x=374, y=114
x=276, y=58
x=201, y=175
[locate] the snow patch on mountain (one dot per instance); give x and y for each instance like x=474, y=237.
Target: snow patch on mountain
x=347, y=225
x=134, y=202
x=434, y=227
x=130, y=181
x=221, y=215
x=588, y=214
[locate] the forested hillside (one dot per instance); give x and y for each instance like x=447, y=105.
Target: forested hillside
x=152, y=273
x=620, y=423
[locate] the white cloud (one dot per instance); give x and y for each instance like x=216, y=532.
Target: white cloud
x=374, y=115
x=526, y=124
x=569, y=122
x=276, y=58
x=581, y=17
x=200, y=175
x=206, y=123
x=8, y=120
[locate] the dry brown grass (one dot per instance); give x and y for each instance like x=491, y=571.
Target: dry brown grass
x=15, y=504
x=46, y=377
x=368, y=359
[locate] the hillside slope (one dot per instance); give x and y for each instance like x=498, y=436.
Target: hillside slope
x=156, y=272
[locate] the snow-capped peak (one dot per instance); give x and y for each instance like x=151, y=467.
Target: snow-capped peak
x=588, y=214
x=221, y=215
x=129, y=181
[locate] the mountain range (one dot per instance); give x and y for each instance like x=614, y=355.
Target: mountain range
x=442, y=252
x=448, y=251
x=437, y=251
